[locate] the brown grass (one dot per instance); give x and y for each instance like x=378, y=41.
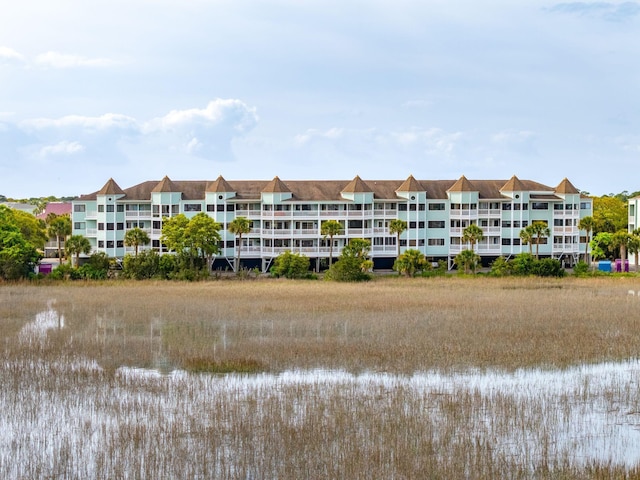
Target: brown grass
x=70, y=412
x=392, y=325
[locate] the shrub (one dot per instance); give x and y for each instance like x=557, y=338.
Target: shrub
x=523, y=264
x=581, y=269
x=145, y=265
x=290, y=265
x=500, y=267
x=549, y=267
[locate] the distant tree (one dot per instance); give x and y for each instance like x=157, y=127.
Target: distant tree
x=18, y=254
x=239, y=226
x=634, y=246
x=468, y=260
x=136, y=237
x=539, y=230
x=33, y=229
x=410, y=262
x=353, y=264
x=600, y=245
x=330, y=228
x=173, y=229
x=397, y=226
x=77, y=245
x=621, y=240
x=203, y=233
x=290, y=265
x=587, y=224
x=526, y=235
x=609, y=214
x=59, y=226
x=472, y=235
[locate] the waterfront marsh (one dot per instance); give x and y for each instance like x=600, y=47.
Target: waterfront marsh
x=398, y=378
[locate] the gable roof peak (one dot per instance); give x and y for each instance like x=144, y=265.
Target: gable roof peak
x=219, y=185
x=357, y=185
x=276, y=186
x=111, y=188
x=165, y=186
x=411, y=185
x=565, y=186
x=462, y=185
x=514, y=184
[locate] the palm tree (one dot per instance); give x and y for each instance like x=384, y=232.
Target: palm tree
x=397, y=226
x=587, y=224
x=59, y=227
x=239, y=226
x=467, y=259
x=410, y=262
x=330, y=228
x=621, y=239
x=472, y=234
x=136, y=237
x=526, y=236
x=635, y=244
x=539, y=229
x=76, y=245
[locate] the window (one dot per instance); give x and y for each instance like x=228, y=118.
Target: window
x=435, y=242
x=110, y=243
x=79, y=226
x=516, y=206
x=420, y=224
x=192, y=207
x=422, y=207
x=110, y=208
x=436, y=224
x=100, y=208
x=211, y=207
x=175, y=209
x=436, y=206
x=120, y=243
x=100, y=243
x=220, y=207
x=155, y=243
x=557, y=206
x=120, y=226
x=230, y=244
x=540, y=206
x=120, y=208
x=421, y=242
x=79, y=208
x=413, y=224
x=568, y=206
x=100, y=226
x=413, y=207
x=516, y=241
x=506, y=241
x=516, y=224
x=506, y=206
x=231, y=207
x=585, y=205
x=557, y=222
x=402, y=207
x=110, y=226
x=506, y=224
x=632, y=211
x=157, y=225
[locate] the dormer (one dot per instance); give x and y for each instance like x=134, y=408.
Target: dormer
x=412, y=190
x=275, y=191
x=463, y=191
x=515, y=190
x=219, y=190
x=357, y=191
x=166, y=192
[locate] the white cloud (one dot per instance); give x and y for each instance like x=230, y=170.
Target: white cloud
x=61, y=148
x=108, y=121
x=230, y=112
x=9, y=55
x=64, y=60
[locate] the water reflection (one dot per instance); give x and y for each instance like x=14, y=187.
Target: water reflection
x=36, y=331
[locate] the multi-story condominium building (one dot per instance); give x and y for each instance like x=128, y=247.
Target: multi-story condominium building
x=287, y=216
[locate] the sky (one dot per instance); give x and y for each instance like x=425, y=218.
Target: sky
x=138, y=89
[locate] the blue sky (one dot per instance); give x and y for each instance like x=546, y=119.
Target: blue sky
x=193, y=89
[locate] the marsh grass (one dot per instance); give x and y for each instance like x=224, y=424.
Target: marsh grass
x=70, y=409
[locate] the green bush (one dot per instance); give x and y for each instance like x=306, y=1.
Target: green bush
x=549, y=267
x=145, y=265
x=347, y=269
x=290, y=265
x=581, y=269
x=500, y=267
